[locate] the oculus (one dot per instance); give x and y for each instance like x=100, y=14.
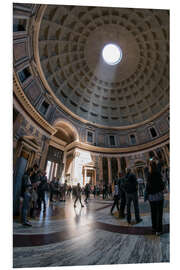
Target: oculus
x=112, y=54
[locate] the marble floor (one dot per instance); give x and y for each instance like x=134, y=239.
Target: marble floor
x=66, y=236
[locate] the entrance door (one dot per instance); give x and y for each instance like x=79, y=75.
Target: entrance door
x=17, y=182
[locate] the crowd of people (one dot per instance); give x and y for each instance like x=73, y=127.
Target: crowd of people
x=127, y=189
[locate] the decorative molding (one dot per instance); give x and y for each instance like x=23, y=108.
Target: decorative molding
x=125, y=151
x=29, y=107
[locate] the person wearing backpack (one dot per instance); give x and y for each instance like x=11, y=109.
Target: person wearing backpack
x=131, y=189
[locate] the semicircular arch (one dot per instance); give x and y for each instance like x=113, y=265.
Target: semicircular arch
x=66, y=131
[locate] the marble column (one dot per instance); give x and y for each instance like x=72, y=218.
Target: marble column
x=167, y=150
x=156, y=153
x=166, y=155
x=94, y=172
x=63, y=176
x=54, y=168
x=127, y=162
x=163, y=155
x=84, y=176
x=100, y=169
x=143, y=173
x=74, y=168
x=50, y=172
x=109, y=171
x=119, y=165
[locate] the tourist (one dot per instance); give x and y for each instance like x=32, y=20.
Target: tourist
x=34, y=199
x=104, y=192
x=42, y=188
x=87, y=191
x=116, y=197
x=94, y=191
x=26, y=205
x=57, y=189
x=131, y=195
x=154, y=194
x=110, y=190
x=122, y=193
x=52, y=189
x=140, y=187
x=26, y=180
x=35, y=177
x=167, y=177
x=64, y=191
x=78, y=191
x=98, y=191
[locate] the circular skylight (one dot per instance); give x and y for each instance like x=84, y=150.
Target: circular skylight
x=112, y=54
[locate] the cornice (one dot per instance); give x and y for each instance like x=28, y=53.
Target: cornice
x=125, y=150
x=29, y=107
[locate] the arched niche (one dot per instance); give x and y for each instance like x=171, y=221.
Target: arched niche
x=139, y=167
x=65, y=131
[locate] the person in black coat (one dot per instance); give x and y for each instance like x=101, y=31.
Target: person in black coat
x=154, y=194
x=131, y=189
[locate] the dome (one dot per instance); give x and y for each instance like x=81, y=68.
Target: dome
x=135, y=89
